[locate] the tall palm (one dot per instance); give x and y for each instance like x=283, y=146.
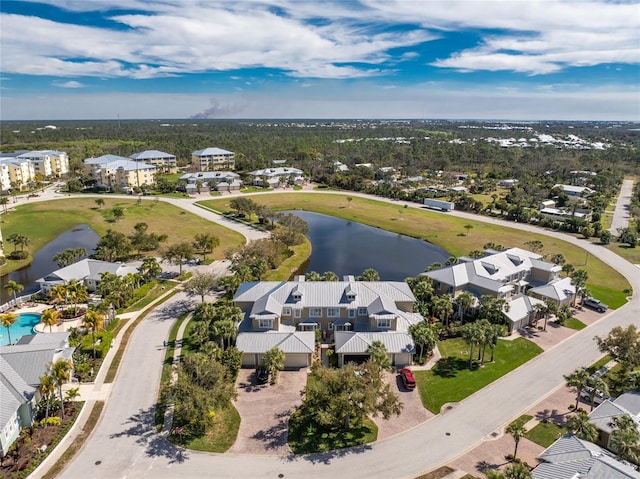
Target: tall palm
x=58, y=294
x=47, y=388
x=517, y=431
x=13, y=289
x=577, y=379
x=471, y=335
x=579, y=425
x=93, y=321
x=7, y=320
x=464, y=301
x=50, y=317
x=596, y=386
x=625, y=438
x=442, y=308
x=77, y=293
x=61, y=373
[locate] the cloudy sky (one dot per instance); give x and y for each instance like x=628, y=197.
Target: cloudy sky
x=501, y=59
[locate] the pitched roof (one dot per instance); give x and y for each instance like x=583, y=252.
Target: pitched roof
x=152, y=155
x=14, y=391
x=349, y=342
x=87, y=269
x=627, y=403
x=212, y=152
x=289, y=342
x=521, y=306
x=559, y=289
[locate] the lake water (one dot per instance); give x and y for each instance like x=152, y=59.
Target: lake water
x=346, y=247
x=80, y=236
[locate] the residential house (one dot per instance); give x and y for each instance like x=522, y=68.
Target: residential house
x=575, y=191
x=164, y=162
x=559, y=291
x=508, y=183
x=86, y=271
x=352, y=313
x=601, y=417
x=558, y=214
x=274, y=177
x=21, y=366
x=573, y=458
x=213, y=159
x=48, y=163
x=205, y=181
x=112, y=171
x=501, y=274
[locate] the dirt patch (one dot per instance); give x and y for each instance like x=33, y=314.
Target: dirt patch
x=265, y=410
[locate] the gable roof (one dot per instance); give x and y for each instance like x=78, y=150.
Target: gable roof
x=87, y=269
x=212, y=152
x=349, y=342
x=152, y=155
x=290, y=342
x=627, y=403
x=559, y=289
x=14, y=391
x=520, y=307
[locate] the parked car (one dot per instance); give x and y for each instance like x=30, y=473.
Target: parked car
x=598, y=399
x=262, y=375
x=407, y=378
x=596, y=304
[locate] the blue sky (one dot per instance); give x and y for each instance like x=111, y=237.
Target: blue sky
x=501, y=59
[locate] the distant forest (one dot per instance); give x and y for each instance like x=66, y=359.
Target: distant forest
x=412, y=147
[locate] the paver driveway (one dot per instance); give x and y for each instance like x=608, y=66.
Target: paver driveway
x=265, y=411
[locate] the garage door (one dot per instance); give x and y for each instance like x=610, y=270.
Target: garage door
x=402, y=359
x=251, y=360
x=296, y=361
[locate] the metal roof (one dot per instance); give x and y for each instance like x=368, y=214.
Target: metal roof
x=152, y=155
x=212, y=152
x=348, y=342
x=290, y=342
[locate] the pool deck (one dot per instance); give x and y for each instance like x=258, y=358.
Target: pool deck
x=41, y=328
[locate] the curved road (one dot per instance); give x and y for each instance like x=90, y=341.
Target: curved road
x=125, y=445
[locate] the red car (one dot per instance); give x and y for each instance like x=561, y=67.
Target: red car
x=407, y=378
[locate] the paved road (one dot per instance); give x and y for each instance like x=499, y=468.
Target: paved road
x=127, y=447
x=621, y=214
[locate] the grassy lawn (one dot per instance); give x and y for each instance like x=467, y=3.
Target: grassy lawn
x=522, y=420
x=545, y=433
x=61, y=215
x=149, y=292
x=451, y=380
x=445, y=231
x=301, y=253
x=306, y=437
x=598, y=364
x=220, y=437
x=574, y=323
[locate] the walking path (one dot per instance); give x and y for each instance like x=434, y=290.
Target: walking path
x=621, y=214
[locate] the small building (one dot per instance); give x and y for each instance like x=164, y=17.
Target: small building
x=274, y=177
x=205, y=181
x=557, y=214
x=576, y=191
x=546, y=204
x=213, y=159
x=164, y=162
x=86, y=271
x=508, y=183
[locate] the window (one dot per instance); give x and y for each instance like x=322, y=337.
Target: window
x=352, y=313
x=315, y=312
x=438, y=285
x=362, y=311
x=286, y=311
x=333, y=312
x=297, y=313
x=450, y=290
x=330, y=326
x=265, y=323
x=384, y=323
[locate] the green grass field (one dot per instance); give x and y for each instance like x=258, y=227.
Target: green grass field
x=445, y=231
x=43, y=222
x=450, y=380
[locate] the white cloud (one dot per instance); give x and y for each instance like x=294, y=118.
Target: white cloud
x=68, y=84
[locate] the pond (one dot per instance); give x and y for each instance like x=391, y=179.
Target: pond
x=346, y=247
x=80, y=236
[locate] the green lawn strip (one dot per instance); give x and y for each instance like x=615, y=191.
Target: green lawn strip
x=545, y=433
x=148, y=293
x=445, y=231
x=292, y=264
x=218, y=438
x=115, y=363
x=450, y=380
x=62, y=215
x=574, y=323
x=306, y=437
x=161, y=405
x=522, y=420
x=77, y=443
x=598, y=364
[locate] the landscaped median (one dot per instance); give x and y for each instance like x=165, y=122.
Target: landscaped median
x=451, y=380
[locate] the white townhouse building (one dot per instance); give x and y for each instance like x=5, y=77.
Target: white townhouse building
x=164, y=162
x=273, y=177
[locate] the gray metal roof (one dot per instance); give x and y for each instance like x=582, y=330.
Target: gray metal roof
x=87, y=269
x=152, y=155
x=348, y=342
x=212, y=152
x=14, y=391
x=290, y=342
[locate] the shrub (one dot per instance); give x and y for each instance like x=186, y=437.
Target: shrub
x=51, y=421
x=18, y=255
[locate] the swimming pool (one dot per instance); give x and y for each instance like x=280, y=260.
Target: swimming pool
x=23, y=326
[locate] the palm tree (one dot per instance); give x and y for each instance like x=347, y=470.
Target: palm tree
x=61, y=373
x=273, y=360
x=50, y=317
x=150, y=268
x=47, y=388
x=442, y=308
x=579, y=280
x=93, y=321
x=7, y=320
x=577, y=379
x=596, y=386
x=77, y=292
x=517, y=431
x=423, y=336
x=224, y=329
x=625, y=438
x=13, y=288
x=378, y=355
x=471, y=335
x=58, y=294
x=579, y=425
x=464, y=302
x=493, y=335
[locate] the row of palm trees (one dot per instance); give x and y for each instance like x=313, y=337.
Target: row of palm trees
x=58, y=374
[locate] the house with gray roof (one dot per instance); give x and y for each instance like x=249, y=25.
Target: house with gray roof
x=602, y=416
x=504, y=274
x=560, y=291
x=164, y=162
x=352, y=313
x=86, y=271
x=213, y=159
x=573, y=458
x=273, y=177
x=21, y=366
x=205, y=181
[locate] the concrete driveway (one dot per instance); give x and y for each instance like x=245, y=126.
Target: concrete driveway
x=264, y=411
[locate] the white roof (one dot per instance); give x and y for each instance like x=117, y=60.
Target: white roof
x=87, y=269
x=349, y=342
x=288, y=342
x=279, y=171
x=152, y=155
x=212, y=152
x=559, y=289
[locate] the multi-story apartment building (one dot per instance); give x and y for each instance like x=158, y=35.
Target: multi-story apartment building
x=164, y=162
x=213, y=159
x=118, y=172
x=16, y=172
x=48, y=163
